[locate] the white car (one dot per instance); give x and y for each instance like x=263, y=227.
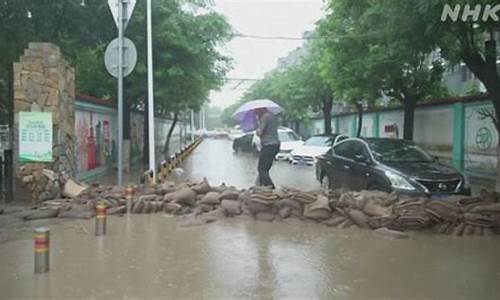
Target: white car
x=289, y=141
x=315, y=146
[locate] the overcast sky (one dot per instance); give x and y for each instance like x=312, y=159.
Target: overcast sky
x=254, y=57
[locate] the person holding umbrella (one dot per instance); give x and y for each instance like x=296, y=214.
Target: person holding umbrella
x=261, y=116
x=267, y=131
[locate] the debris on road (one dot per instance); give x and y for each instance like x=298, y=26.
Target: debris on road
x=390, y=215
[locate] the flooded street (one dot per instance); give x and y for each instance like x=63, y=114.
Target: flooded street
x=215, y=160
x=146, y=256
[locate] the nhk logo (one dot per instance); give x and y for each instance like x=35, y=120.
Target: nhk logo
x=468, y=12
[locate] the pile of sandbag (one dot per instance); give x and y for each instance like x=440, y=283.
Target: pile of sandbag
x=203, y=203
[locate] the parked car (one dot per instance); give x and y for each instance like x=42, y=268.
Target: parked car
x=289, y=141
x=388, y=165
x=315, y=146
x=243, y=143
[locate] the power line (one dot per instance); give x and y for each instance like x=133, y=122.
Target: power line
x=260, y=37
x=243, y=79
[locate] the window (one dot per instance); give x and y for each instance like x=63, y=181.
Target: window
x=287, y=136
x=344, y=149
x=318, y=141
x=352, y=149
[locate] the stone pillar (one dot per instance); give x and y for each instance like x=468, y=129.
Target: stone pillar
x=45, y=82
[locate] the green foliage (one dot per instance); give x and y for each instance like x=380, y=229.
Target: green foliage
x=186, y=60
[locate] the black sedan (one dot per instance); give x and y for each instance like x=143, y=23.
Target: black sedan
x=388, y=165
x=244, y=143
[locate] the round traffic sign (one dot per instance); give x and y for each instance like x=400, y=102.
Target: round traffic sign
x=129, y=57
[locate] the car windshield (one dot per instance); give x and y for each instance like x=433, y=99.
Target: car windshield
x=288, y=136
x=398, y=151
x=320, y=141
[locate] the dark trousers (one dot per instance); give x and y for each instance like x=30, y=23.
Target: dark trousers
x=266, y=158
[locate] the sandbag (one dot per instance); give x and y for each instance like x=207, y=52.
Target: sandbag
x=185, y=196
x=375, y=209
x=148, y=207
x=230, y=207
x=212, y=216
x=493, y=208
x=255, y=207
x=171, y=207
x=206, y=207
x=319, y=209
x=290, y=203
x=390, y=233
x=41, y=214
x=358, y=217
x=229, y=194
x=138, y=207
x=285, y=212
x=73, y=189
x=150, y=197
x=117, y=210
x=459, y=229
x=211, y=198
x=334, y=221
x=202, y=187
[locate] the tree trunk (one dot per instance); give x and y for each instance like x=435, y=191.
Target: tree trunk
x=297, y=127
x=409, y=105
x=327, y=115
x=166, y=147
x=359, y=108
x=10, y=100
x=126, y=121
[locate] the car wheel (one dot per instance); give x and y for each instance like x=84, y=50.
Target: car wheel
x=325, y=182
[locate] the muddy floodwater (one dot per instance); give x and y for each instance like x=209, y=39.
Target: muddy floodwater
x=216, y=160
x=145, y=256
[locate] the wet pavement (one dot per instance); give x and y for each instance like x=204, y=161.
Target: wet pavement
x=215, y=160
x=152, y=256
x=146, y=256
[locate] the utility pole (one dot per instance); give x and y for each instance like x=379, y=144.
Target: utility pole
x=121, y=7
x=151, y=117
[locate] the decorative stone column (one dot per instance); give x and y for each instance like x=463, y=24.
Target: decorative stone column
x=45, y=82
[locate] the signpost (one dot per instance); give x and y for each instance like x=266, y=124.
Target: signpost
x=129, y=57
x=121, y=10
x=35, y=137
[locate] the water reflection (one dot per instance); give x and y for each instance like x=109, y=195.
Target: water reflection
x=150, y=256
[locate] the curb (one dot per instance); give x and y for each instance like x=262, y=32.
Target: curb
x=166, y=167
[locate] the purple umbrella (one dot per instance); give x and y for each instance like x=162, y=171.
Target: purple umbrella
x=247, y=116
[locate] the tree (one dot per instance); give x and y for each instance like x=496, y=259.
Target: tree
x=464, y=40
x=65, y=23
x=400, y=68
x=186, y=57
x=307, y=90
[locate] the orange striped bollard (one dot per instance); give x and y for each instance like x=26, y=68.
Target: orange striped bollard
x=100, y=219
x=42, y=246
x=129, y=192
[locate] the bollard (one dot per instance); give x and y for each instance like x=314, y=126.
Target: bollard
x=42, y=244
x=129, y=192
x=100, y=219
x=159, y=173
x=164, y=169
